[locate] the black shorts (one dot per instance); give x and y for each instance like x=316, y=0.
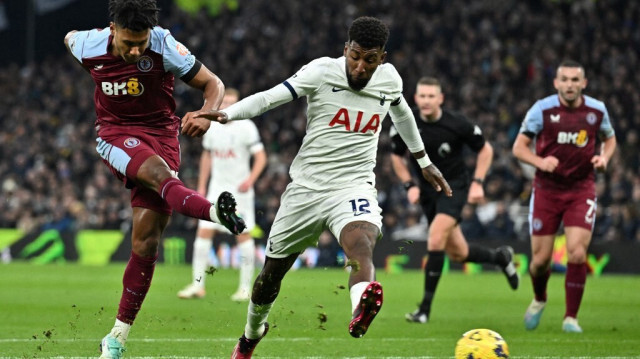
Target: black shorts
x=434, y=202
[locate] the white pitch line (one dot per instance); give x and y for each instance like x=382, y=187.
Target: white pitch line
x=214, y=340
x=301, y=339
x=367, y=357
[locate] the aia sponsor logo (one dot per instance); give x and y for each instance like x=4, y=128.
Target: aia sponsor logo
x=579, y=139
x=131, y=87
x=145, y=64
x=228, y=153
x=131, y=142
x=360, y=124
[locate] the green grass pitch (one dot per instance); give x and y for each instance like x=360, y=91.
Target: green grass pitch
x=62, y=311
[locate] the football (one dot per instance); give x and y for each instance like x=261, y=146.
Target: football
x=481, y=344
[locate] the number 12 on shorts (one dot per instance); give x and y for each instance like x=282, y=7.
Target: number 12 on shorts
x=360, y=206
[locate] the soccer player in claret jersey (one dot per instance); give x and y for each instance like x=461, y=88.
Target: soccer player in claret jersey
x=573, y=137
x=333, y=184
x=226, y=163
x=133, y=63
x=450, y=133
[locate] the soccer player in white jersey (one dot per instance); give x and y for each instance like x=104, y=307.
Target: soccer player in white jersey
x=333, y=184
x=225, y=163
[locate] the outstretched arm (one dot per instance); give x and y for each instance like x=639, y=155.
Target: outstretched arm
x=251, y=106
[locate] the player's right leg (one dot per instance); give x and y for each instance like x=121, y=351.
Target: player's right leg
x=578, y=239
x=358, y=238
x=440, y=232
x=265, y=291
x=148, y=226
x=544, y=220
x=200, y=261
x=541, y=249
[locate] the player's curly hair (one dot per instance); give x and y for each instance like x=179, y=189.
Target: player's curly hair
x=369, y=32
x=135, y=15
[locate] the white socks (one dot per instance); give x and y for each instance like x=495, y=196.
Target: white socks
x=213, y=214
x=256, y=317
x=356, y=292
x=247, y=251
x=120, y=331
x=201, y=248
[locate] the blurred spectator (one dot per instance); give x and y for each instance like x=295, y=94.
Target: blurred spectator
x=471, y=226
x=501, y=227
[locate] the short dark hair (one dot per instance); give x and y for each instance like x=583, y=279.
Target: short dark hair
x=135, y=15
x=569, y=63
x=369, y=32
x=427, y=80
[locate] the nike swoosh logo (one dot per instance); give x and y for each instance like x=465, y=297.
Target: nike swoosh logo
x=335, y=89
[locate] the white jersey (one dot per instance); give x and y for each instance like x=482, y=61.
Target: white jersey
x=231, y=147
x=343, y=125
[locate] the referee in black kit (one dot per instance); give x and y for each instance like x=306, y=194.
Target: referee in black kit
x=444, y=134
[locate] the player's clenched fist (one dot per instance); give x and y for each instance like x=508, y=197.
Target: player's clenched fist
x=194, y=126
x=549, y=164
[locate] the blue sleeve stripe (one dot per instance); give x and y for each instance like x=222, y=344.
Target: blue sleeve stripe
x=293, y=92
x=593, y=103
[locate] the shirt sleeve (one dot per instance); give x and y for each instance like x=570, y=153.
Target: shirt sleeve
x=176, y=57
x=405, y=124
x=76, y=43
x=532, y=123
x=307, y=79
x=606, y=129
x=398, y=146
x=302, y=83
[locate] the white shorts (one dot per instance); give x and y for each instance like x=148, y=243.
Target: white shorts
x=245, y=207
x=305, y=213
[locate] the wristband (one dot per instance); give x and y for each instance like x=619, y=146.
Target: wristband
x=408, y=185
x=478, y=180
x=424, y=162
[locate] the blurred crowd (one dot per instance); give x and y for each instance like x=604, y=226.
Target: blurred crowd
x=495, y=59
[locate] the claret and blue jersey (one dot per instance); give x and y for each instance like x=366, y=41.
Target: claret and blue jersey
x=569, y=134
x=138, y=95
